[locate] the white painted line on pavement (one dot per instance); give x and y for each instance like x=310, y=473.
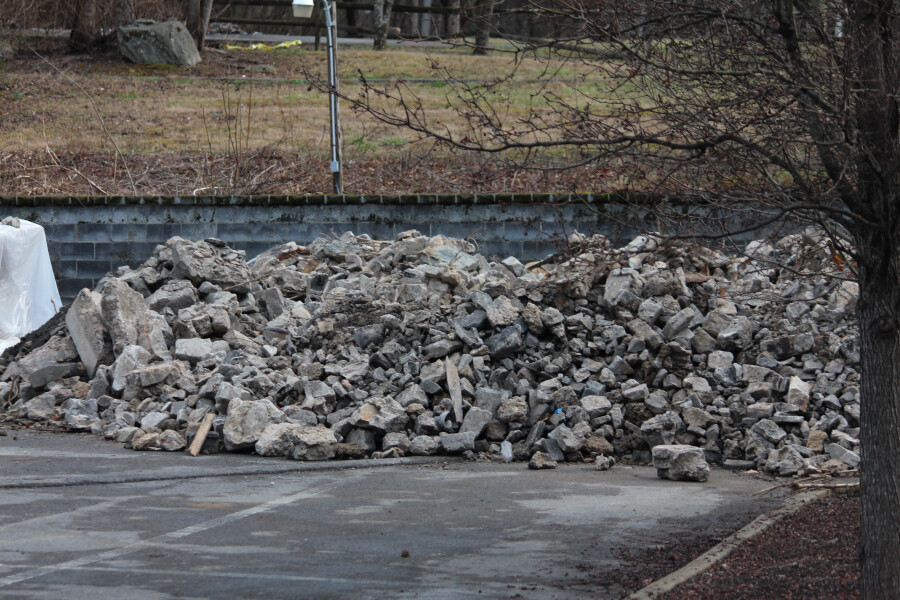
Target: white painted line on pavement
x=174, y=535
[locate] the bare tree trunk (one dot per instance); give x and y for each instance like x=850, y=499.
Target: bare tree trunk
x=205, y=14
x=382, y=22
x=453, y=19
x=875, y=22
x=193, y=19
x=880, y=421
x=484, y=9
x=124, y=12
x=86, y=31
x=198, y=15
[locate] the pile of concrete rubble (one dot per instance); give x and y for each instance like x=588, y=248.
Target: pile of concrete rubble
x=353, y=348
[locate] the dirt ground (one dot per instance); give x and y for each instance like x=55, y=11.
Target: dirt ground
x=245, y=122
x=809, y=555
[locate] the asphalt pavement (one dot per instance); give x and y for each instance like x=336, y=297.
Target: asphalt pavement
x=84, y=518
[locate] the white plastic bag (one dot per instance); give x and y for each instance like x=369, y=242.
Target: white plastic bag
x=28, y=293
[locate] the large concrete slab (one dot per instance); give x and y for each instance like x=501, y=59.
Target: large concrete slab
x=83, y=518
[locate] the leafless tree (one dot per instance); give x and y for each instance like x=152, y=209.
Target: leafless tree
x=87, y=32
x=788, y=104
x=198, y=15
x=483, y=11
x=382, y=22
x=123, y=11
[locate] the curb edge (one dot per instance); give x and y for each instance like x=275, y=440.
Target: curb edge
x=719, y=552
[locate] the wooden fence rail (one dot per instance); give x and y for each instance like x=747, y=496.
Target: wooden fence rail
x=407, y=8
x=479, y=9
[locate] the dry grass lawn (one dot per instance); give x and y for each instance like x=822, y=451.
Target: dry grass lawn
x=237, y=107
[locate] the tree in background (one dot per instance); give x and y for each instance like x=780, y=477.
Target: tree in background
x=382, y=22
x=86, y=32
x=786, y=107
x=198, y=15
x=123, y=12
x=482, y=13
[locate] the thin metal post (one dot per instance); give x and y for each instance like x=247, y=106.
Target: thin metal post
x=331, y=29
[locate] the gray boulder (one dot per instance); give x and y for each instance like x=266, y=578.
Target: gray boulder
x=147, y=41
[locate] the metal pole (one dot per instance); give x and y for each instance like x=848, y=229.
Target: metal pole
x=331, y=29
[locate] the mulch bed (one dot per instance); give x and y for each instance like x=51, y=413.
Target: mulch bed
x=809, y=555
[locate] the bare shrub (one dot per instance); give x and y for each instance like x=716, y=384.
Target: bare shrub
x=60, y=14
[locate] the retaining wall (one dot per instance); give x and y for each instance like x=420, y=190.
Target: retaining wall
x=90, y=236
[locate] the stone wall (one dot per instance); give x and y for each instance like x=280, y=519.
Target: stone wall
x=90, y=236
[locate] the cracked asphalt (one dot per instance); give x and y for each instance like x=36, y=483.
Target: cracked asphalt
x=84, y=518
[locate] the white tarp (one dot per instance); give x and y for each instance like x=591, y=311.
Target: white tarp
x=28, y=293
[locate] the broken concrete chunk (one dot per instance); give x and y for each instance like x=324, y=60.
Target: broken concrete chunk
x=798, y=393
x=596, y=406
x=210, y=261
x=385, y=415
x=175, y=295
x=566, y=439
x=424, y=445
x=541, y=460
x=53, y=361
x=475, y=421
x=80, y=414
x=513, y=409
x=171, y=441
x=246, y=421
x=786, y=461
x=848, y=457
x=391, y=344
x=769, y=430
x=680, y=463
x=125, y=314
x=454, y=443
x=662, y=429
x=89, y=334
x=315, y=443
x=193, y=350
